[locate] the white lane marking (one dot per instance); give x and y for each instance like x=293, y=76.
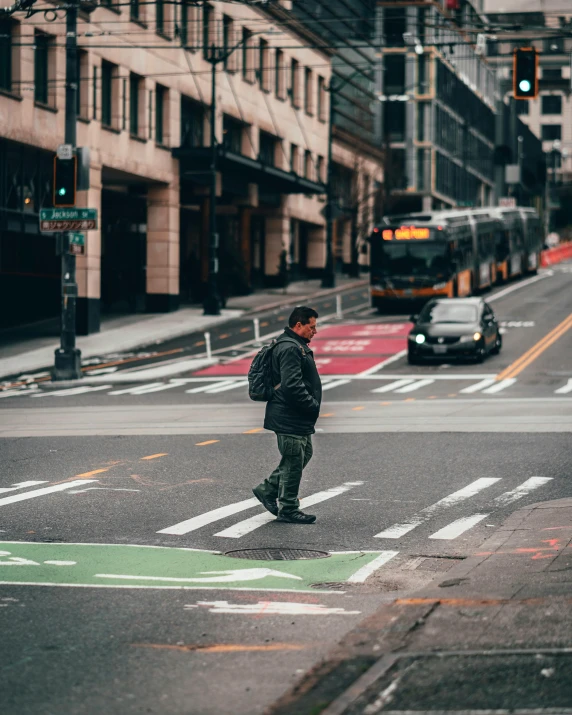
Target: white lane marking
x=21, y=485
x=209, y=386
x=415, y=386
x=224, y=388
x=520, y=284
x=273, y=608
x=500, y=385
x=151, y=387
x=521, y=491
x=334, y=383
x=361, y=574
x=394, y=385
x=208, y=517
x=248, y=525
x=379, y=366
x=478, y=386
x=397, y=530
x=45, y=490
x=564, y=390
x=102, y=370
x=14, y=393
x=456, y=528
x=61, y=563
x=71, y=391
x=227, y=576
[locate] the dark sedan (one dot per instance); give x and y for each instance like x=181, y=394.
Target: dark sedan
x=451, y=328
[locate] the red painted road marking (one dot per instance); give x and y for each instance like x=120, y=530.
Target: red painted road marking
x=360, y=346
x=365, y=330
x=326, y=366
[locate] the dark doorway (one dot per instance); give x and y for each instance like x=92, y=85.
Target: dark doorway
x=123, y=252
x=257, y=241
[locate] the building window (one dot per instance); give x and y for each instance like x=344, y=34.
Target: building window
x=159, y=17
x=394, y=25
x=308, y=164
x=521, y=106
x=394, y=121
x=41, y=67
x=192, y=123
x=551, y=132
x=421, y=170
x=82, y=94
x=263, y=62
x=135, y=10
x=421, y=121
x=308, y=91
x=295, y=83
x=232, y=131
x=554, y=45
x=552, y=73
x=6, y=28
x=107, y=71
x=321, y=99
x=422, y=84
x=247, y=64
x=135, y=83
x=267, y=149
x=293, y=158
x=280, y=83
x=394, y=74
x=228, y=43
x=160, y=97
x=207, y=30
x=551, y=104
x=321, y=173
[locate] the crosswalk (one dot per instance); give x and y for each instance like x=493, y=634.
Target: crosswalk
x=392, y=532
x=423, y=385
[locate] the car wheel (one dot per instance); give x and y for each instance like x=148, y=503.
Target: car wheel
x=498, y=345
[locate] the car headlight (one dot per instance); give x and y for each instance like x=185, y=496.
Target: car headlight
x=470, y=338
x=419, y=338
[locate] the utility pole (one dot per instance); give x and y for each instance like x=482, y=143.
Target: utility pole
x=212, y=302
x=67, y=364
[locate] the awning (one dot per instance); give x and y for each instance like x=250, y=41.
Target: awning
x=194, y=164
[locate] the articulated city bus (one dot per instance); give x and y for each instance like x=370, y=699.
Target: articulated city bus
x=451, y=253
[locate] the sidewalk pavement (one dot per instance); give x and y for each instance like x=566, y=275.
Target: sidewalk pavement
x=493, y=636
x=134, y=331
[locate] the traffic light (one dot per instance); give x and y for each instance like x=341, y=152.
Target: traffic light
x=65, y=181
x=525, y=73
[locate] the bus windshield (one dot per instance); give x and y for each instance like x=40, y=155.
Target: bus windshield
x=414, y=259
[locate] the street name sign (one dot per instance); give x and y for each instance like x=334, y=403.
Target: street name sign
x=68, y=220
x=77, y=244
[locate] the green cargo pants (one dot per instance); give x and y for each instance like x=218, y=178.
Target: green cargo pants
x=284, y=482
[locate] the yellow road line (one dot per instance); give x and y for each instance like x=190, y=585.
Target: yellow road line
x=355, y=409
x=155, y=456
x=327, y=414
x=254, y=431
x=209, y=441
x=224, y=647
x=92, y=473
x=536, y=350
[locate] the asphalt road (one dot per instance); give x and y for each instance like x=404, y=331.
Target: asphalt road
x=116, y=591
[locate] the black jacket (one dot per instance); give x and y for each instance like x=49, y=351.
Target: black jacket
x=295, y=407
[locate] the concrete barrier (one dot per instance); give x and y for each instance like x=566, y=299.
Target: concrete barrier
x=556, y=255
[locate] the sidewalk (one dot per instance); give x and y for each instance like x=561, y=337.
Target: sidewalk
x=135, y=331
x=493, y=636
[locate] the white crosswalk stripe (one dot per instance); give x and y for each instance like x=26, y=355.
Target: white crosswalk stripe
x=210, y=386
x=500, y=385
x=521, y=491
x=564, y=390
x=225, y=388
x=196, y=522
x=458, y=527
x=71, y=391
x=394, y=385
x=478, y=386
x=248, y=525
x=147, y=388
x=398, y=530
x=415, y=386
x=334, y=383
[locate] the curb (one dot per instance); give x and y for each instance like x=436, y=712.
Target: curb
x=369, y=650
x=289, y=300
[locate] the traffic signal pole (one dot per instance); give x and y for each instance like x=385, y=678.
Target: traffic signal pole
x=67, y=365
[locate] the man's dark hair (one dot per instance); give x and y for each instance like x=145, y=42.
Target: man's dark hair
x=301, y=314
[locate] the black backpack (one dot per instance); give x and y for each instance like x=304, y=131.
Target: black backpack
x=260, y=383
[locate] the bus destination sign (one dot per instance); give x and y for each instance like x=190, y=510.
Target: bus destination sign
x=406, y=233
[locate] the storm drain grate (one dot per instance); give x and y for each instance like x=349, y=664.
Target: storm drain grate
x=274, y=554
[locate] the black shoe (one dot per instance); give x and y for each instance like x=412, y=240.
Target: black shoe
x=266, y=503
x=297, y=517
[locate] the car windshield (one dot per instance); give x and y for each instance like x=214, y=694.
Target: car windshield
x=413, y=259
x=449, y=313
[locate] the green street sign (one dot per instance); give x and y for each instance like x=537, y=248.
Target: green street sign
x=68, y=220
x=125, y=566
x=77, y=244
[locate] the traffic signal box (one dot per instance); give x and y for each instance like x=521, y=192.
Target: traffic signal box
x=65, y=182
x=525, y=73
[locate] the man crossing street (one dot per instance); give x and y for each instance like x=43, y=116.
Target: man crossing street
x=292, y=414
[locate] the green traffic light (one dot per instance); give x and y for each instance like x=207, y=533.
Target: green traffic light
x=62, y=191
x=525, y=85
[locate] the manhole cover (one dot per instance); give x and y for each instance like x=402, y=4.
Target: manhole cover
x=276, y=554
